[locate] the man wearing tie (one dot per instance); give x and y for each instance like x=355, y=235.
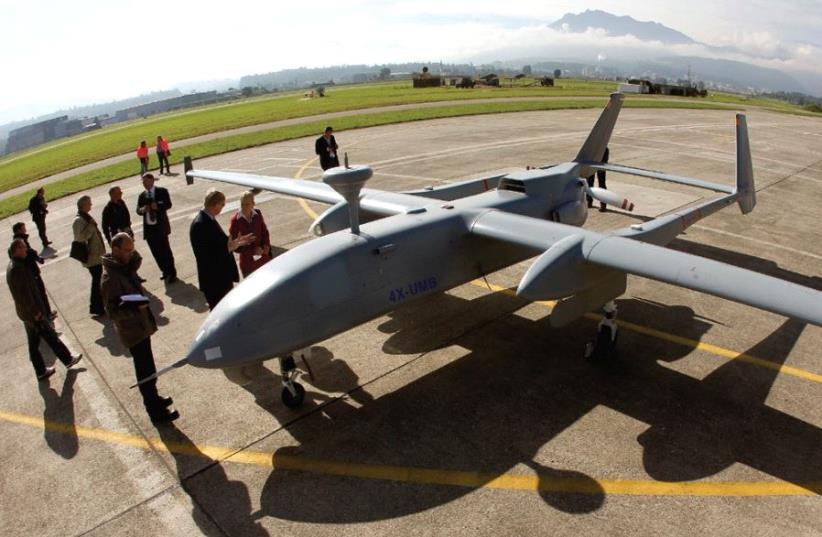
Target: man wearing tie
x=153, y=204
x=216, y=267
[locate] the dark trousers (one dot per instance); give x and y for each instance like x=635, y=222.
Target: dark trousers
x=163, y=159
x=42, y=287
x=600, y=184
x=95, y=305
x=41, y=230
x=161, y=250
x=143, y=165
x=215, y=294
x=43, y=330
x=143, y=368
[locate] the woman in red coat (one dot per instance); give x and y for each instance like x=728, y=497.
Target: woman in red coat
x=250, y=220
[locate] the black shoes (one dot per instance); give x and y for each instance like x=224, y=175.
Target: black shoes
x=166, y=401
x=602, y=209
x=163, y=416
x=74, y=361
x=46, y=374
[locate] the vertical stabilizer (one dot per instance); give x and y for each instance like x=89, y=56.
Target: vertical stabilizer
x=744, y=167
x=594, y=146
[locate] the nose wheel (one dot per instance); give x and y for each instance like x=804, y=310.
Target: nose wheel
x=293, y=392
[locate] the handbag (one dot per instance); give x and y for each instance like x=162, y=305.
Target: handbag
x=79, y=251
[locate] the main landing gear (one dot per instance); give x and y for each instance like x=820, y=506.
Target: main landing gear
x=603, y=348
x=293, y=392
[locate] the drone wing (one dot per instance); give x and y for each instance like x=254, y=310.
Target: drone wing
x=569, y=251
x=373, y=201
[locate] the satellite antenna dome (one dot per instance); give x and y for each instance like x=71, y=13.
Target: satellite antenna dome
x=348, y=181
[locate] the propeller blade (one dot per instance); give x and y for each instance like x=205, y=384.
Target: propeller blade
x=610, y=198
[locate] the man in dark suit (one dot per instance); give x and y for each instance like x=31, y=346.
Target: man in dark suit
x=326, y=148
x=153, y=204
x=37, y=208
x=216, y=267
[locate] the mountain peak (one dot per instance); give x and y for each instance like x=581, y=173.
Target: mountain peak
x=620, y=25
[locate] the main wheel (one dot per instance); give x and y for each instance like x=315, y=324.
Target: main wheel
x=293, y=400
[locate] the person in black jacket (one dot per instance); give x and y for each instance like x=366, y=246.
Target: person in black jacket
x=216, y=267
x=153, y=204
x=32, y=260
x=116, y=217
x=326, y=148
x=37, y=208
x=32, y=311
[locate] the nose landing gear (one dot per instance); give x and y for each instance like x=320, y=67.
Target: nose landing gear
x=293, y=392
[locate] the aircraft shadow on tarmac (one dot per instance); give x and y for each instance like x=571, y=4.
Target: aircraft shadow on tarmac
x=521, y=385
x=190, y=462
x=59, y=409
x=331, y=375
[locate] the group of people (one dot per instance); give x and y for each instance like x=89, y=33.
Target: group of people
x=107, y=250
x=116, y=287
x=163, y=152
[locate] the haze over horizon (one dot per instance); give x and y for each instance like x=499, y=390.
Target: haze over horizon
x=94, y=51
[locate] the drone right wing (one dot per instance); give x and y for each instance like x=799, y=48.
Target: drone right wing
x=569, y=251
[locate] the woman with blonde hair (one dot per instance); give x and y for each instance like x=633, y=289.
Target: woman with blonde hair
x=247, y=220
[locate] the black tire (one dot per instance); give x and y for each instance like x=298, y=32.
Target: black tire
x=293, y=401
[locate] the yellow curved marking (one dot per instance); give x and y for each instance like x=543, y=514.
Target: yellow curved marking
x=705, y=347
x=428, y=476
x=304, y=204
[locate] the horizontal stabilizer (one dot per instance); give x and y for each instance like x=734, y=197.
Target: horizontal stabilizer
x=652, y=174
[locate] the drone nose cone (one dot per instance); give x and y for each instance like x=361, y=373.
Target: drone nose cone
x=209, y=348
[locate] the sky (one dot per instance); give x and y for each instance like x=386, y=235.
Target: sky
x=60, y=54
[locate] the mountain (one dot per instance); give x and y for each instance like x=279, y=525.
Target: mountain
x=619, y=26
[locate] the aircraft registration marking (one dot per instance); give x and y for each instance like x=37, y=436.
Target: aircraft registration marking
x=418, y=287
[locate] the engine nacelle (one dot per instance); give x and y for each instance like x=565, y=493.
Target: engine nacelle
x=573, y=213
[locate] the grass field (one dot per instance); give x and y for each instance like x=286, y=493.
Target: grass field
x=114, y=172
x=21, y=168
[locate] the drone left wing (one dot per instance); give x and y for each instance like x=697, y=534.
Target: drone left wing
x=373, y=201
x=569, y=252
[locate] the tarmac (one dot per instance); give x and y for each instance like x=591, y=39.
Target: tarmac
x=464, y=413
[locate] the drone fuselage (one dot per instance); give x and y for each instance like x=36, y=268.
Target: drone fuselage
x=338, y=281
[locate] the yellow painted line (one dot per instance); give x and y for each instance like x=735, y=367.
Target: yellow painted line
x=705, y=347
x=427, y=476
x=307, y=209
x=304, y=204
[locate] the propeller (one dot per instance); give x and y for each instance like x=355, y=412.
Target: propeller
x=607, y=197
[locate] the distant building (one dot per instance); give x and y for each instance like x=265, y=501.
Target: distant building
x=165, y=105
x=633, y=88
x=42, y=132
